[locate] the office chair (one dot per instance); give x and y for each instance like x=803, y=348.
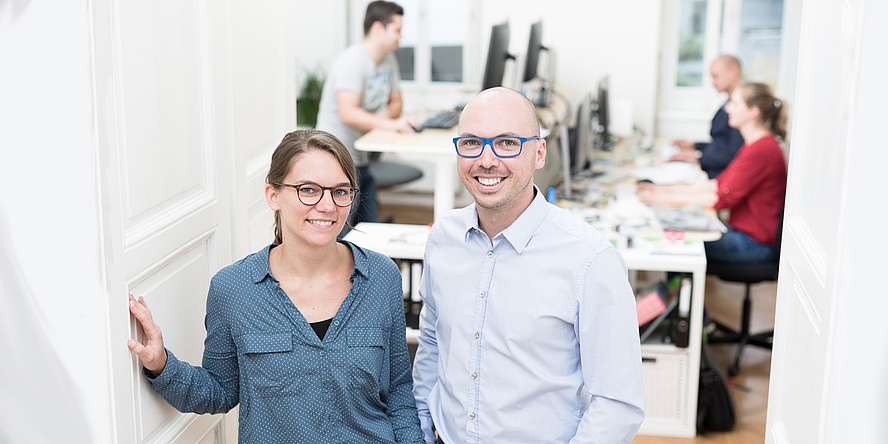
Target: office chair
x=388, y=174
x=748, y=274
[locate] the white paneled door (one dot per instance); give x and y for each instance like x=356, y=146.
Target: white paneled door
x=162, y=140
x=191, y=96
x=829, y=362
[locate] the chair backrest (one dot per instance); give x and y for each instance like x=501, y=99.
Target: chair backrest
x=780, y=231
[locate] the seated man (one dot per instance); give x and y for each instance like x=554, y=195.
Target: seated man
x=714, y=156
x=362, y=93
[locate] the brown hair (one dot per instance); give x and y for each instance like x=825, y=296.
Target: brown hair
x=381, y=11
x=291, y=148
x=772, y=110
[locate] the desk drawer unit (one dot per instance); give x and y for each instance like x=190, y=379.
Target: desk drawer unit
x=665, y=376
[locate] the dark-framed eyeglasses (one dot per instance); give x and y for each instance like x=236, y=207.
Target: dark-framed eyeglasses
x=311, y=193
x=503, y=147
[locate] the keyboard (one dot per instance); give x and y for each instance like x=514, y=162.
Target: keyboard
x=688, y=218
x=442, y=119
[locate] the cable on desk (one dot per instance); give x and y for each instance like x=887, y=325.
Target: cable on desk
x=558, y=99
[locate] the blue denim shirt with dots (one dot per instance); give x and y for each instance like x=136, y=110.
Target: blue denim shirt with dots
x=353, y=386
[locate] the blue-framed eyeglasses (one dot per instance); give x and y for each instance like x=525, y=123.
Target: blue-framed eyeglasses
x=503, y=147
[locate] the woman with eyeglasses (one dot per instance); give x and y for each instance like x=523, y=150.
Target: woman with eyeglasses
x=308, y=334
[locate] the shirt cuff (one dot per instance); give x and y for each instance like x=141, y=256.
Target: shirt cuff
x=166, y=375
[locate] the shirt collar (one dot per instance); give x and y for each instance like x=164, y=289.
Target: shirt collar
x=260, y=269
x=519, y=233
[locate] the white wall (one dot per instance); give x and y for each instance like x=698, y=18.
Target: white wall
x=53, y=329
x=592, y=39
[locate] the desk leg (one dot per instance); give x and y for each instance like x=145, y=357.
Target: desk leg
x=444, y=185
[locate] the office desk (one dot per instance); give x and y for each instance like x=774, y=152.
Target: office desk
x=616, y=174
x=397, y=241
x=433, y=145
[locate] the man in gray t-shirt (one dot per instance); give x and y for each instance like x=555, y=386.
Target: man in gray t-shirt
x=362, y=92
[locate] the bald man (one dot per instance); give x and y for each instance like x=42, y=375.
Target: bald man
x=715, y=155
x=528, y=332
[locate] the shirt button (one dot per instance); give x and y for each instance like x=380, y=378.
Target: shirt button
x=489, y=254
x=474, y=376
x=336, y=322
x=471, y=416
x=482, y=294
x=323, y=353
x=477, y=335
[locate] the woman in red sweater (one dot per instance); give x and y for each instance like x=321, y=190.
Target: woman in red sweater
x=752, y=187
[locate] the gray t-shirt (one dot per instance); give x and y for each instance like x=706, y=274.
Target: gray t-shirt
x=354, y=70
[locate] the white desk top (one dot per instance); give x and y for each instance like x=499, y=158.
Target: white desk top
x=430, y=141
x=397, y=241
x=431, y=145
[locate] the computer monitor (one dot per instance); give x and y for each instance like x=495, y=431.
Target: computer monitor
x=534, y=48
x=602, y=115
x=584, y=137
x=497, y=56
x=532, y=63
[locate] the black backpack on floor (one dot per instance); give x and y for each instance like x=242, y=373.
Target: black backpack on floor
x=715, y=405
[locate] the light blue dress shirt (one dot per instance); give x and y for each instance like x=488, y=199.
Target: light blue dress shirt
x=531, y=339
x=352, y=386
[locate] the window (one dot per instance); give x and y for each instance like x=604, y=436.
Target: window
x=749, y=29
x=436, y=49
x=691, y=36
x=433, y=41
x=695, y=32
x=758, y=39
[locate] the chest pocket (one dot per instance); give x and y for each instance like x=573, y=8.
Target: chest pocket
x=266, y=361
x=367, y=350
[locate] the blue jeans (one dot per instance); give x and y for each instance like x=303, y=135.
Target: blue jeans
x=736, y=246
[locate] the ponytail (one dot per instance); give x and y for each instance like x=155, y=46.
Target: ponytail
x=772, y=110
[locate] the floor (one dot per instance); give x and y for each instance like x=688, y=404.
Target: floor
x=750, y=387
x=723, y=300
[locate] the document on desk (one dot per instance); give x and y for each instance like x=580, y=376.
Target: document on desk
x=669, y=173
x=687, y=218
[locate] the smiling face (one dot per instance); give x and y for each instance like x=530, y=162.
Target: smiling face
x=302, y=224
x=501, y=186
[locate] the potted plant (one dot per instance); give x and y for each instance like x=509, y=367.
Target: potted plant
x=309, y=98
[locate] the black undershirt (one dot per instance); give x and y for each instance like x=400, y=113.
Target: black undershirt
x=321, y=327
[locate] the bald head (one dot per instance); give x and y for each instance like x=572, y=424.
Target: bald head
x=727, y=61
x=505, y=105
x=725, y=72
